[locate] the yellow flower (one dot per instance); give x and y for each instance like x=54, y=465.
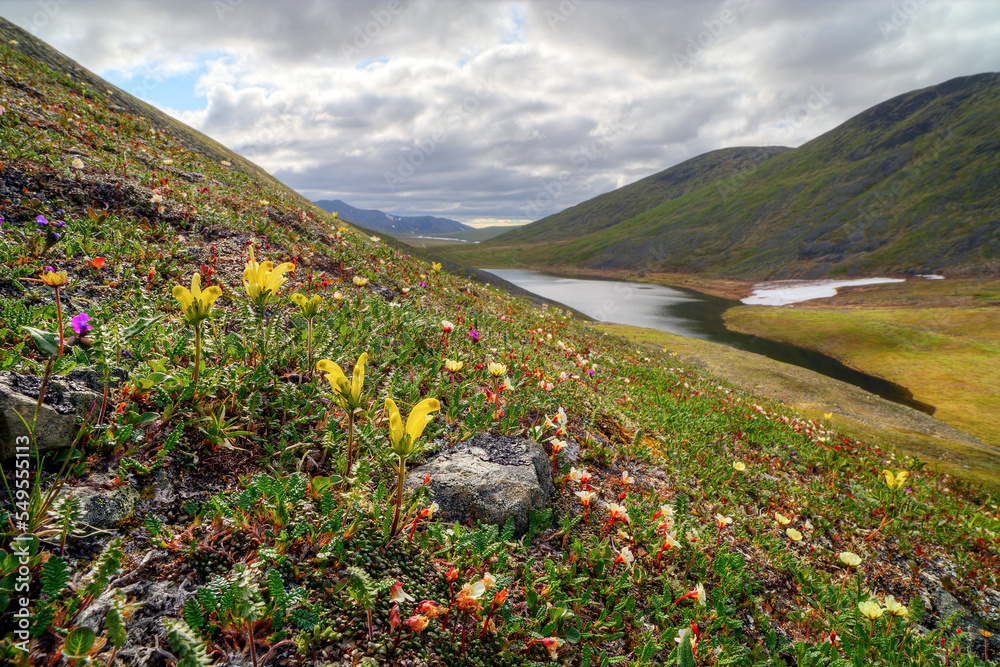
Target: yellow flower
x=895, y=608
x=55, y=278
x=262, y=281
x=347, y=393
x=828, y=416
x=782, y=519
x=338, y=295
x=436, y=267
x=739, y=466
x=404, y=439
x=359, y=281
x=309, y=306
x=793, y=535
x=850, y=559
x=870, y=609
x=896, y=481
x=497, y=370
x=453, y=366
x=196, y=304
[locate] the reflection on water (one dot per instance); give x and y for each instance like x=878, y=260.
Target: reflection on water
x=690, y=314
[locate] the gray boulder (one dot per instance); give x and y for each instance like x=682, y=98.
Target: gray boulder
x=56, y=426
x=67, y=398
x=488, y=478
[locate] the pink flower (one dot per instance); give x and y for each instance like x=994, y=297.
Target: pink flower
x=81, y=324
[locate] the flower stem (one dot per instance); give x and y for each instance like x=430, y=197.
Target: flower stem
x=401, y=476
x=197, y=357
x=309, y=337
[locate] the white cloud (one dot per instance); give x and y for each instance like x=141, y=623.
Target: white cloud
x=475, y=110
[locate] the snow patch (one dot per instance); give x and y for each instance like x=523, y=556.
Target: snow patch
x=785, y=292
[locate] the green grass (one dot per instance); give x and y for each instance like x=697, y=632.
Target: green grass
x=851, y=410
x=946, y=356
x=285, y=554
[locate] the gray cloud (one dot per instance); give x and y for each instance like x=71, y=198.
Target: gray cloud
x=511, y=109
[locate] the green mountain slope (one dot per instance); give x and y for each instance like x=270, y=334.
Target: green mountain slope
x=619, y=205
x=908, y=185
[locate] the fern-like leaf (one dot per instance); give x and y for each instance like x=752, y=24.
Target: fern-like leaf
x=193, y=614
x=114, y=624
x=190, y=650
x=55, y=576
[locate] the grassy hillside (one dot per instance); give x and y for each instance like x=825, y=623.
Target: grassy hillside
x=906, y=185
x=234, y=530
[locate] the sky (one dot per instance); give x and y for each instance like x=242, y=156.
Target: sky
x=505, y=112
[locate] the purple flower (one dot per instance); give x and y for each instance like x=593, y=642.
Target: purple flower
x=50, y=269
x=60, y=223
x=474, y=335
x=591, y=372
x=55, y=236
x=81, y=324
x=422, y=283
x=40, y=220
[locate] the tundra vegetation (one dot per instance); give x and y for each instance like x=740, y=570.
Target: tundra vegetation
x=695, y=523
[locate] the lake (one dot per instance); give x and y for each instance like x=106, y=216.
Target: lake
x=688, y=313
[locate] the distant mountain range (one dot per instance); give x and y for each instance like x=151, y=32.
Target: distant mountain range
x=909, y=185
x=387, y=223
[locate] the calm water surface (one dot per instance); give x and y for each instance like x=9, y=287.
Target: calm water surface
x=692, y=314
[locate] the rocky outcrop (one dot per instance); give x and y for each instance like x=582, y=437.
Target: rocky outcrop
x=488, y=478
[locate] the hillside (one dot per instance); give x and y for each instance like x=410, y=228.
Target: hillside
x=392, y=224
x=619, y=205
x=905, y=186
x=189, y=481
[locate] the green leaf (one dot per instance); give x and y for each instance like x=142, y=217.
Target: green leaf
x=45, y=341
x=54, y=576
x=114, y=625
x=78, y=642
x=190, y=650
x=685, y=656
x=193, y=615
x=141, y=325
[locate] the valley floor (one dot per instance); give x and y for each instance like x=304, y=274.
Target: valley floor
x=940, y=339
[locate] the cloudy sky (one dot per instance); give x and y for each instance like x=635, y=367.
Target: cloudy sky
x=509, y=111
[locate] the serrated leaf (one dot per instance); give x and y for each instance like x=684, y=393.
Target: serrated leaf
x=685, y=656
x=190, y=650
x=54, y=576
x=193, y=614
x=114, y=625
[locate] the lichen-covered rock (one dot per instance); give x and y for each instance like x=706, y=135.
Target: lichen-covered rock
x=67, y=398
x=488, y=478
x=105, y=508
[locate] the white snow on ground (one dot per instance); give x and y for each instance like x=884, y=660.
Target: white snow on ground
x=784, y=292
